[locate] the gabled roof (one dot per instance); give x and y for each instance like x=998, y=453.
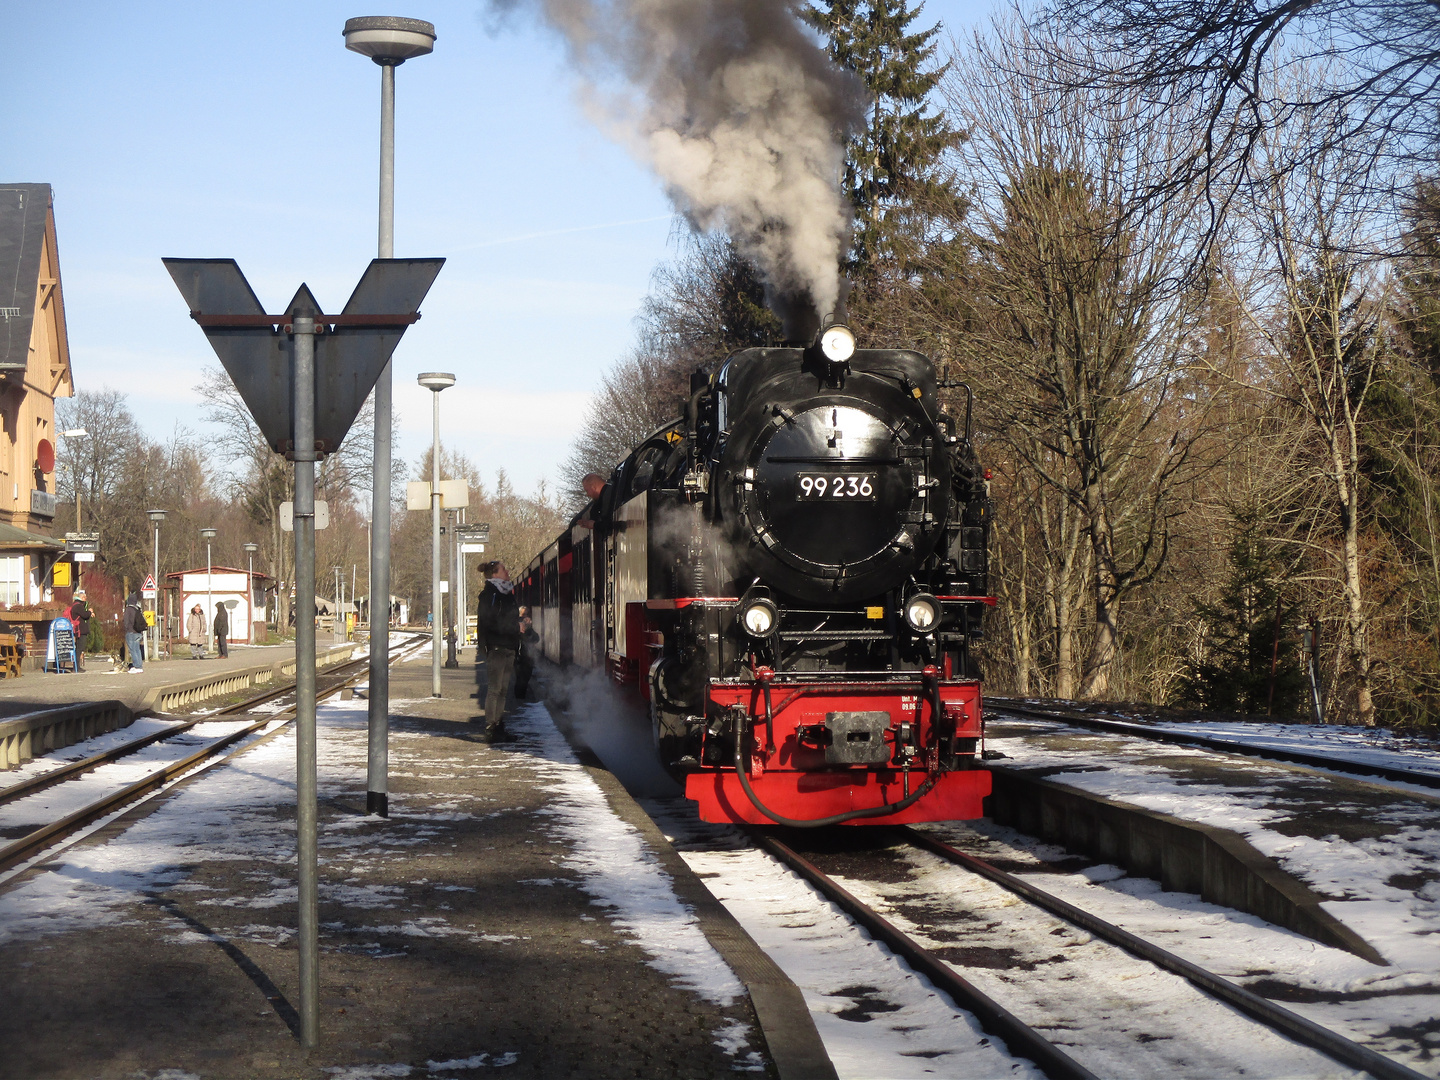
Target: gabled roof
x=16, y=539
x=24, y=209
x=216, y=569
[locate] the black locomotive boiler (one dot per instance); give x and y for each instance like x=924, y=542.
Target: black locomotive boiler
x=791, y=575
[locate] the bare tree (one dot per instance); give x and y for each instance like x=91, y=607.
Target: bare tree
x=1228, y=58
x=1078, y=339
x=1322, y=309
x=703, y=305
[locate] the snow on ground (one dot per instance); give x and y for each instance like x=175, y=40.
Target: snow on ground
x=63, y=799
x=1345, y=743
x=1386, y=887
x=88, y=748
x=876, y=1017
x=239, y=813
x=619, y=872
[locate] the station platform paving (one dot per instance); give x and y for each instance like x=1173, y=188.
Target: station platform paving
x=102, y=680
x=516, y=911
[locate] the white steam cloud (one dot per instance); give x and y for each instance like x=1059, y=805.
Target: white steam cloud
x=740, y=113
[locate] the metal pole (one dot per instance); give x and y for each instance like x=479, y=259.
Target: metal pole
x=305, y=770
x=78, y=564
x=209, y=600
x=155, y=604
x=250, y=596
x=435, y=613
x=377, y=795
x=451, y=659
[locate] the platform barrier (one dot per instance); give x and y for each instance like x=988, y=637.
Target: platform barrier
x=23, y=737
x=1184, y=856
x=177, y=695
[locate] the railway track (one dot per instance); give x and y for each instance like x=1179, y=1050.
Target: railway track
x=1000, y=1017
x=23, y=847
x=1115, y=726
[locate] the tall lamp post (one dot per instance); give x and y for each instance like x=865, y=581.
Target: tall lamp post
x=74, y=435
x=389, y=41
x=209, y=535
x=156, y=517
x=250, y=550
x=435, y=381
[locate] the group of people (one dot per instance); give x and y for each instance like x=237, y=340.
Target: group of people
x=136, y=627
x=195, y=631
x=502, y=629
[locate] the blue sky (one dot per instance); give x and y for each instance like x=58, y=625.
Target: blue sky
x=246, y=130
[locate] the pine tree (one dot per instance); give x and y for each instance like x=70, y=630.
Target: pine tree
x=1234, y=673
x=892, y=168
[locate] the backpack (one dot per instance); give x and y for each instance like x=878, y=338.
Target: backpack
x=138, y=625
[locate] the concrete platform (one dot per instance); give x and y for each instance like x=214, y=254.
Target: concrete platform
x=102, y=681
x=516, y=910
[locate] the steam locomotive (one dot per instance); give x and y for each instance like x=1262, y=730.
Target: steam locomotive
x=791, y=576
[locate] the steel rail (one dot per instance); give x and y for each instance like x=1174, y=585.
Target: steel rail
x=1021, y=1039
x=12, y=792
x=22, y=848
x=1262, y=1009
x=1210, y=742
x=54, y=776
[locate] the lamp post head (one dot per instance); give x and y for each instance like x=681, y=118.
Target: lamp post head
x=208, y=534
x=252, y=548
x=76, y=433
x=157, y=516
x=389, y=40
x=435, y=380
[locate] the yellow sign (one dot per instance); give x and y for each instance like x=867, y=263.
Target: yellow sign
x=874, y=612
x=60, y=576
x=149, y=618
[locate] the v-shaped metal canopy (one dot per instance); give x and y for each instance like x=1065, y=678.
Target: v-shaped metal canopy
x=257, y=350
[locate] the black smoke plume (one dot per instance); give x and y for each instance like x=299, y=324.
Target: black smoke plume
x=742, y=115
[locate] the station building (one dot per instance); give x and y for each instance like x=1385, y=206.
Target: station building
x=211, y=585
x=34, y=371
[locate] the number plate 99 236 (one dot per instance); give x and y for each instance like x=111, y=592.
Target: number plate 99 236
x=850, y=487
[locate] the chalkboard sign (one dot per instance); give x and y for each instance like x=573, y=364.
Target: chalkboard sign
x=60, y=648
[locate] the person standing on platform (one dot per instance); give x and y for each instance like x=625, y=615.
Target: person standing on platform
x=135, y=627
x=195, y=633
x=497, y=630
x=524, y=659
x=79, y=613
x=222, y=631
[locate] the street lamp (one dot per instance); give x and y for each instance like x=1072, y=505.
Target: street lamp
x=156, y=517
x=209, y=534
x=435, y=381
x=250, y=550
x=74, y=435
x=389, y=41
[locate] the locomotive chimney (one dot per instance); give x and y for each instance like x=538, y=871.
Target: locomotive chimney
x=802, y=323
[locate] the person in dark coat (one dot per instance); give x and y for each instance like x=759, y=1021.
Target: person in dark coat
x=497, y=630
x=133, y=620
x=524, y=657
x=222, y=629
x=79, y=613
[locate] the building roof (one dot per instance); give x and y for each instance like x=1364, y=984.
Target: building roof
x=16, y=539
x=23, y=211
x=216, y=569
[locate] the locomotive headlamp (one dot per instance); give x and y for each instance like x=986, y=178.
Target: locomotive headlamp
x=922, y=612
x=759, y=617
x=837, y=343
